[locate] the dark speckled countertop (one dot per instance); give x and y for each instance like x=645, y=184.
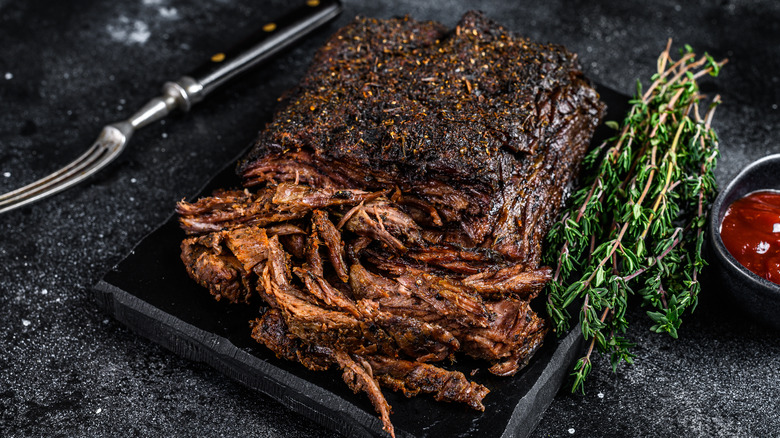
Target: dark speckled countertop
x=68, y=67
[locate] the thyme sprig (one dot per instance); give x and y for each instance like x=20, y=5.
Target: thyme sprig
x=636, y=227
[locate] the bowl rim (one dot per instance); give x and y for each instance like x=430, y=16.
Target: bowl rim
x=715, y=222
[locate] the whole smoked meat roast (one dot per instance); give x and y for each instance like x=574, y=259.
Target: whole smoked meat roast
x=395, y=207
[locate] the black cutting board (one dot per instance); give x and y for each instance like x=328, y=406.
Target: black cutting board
x=150, y=292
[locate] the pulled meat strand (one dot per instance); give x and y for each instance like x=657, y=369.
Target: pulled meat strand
x=412, y=378
x=358, y=376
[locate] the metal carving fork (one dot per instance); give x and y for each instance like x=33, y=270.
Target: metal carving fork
x=181, y=94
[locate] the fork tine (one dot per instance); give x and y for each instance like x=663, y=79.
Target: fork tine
x=56, y=181
x=29, y=188
x=108, y=146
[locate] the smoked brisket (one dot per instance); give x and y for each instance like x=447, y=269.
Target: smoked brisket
x=394, y=209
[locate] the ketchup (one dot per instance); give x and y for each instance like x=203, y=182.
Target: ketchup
x=751, y=232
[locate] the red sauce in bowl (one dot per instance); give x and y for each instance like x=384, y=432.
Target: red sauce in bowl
x=751, y=232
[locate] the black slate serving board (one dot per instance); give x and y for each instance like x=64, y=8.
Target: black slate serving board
x=150, y=292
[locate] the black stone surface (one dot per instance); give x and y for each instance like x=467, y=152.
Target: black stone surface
x=69, y=67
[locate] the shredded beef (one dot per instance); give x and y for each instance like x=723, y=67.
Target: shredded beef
x=394, y=208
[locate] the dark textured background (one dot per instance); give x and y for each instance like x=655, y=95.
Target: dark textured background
x=68, y=67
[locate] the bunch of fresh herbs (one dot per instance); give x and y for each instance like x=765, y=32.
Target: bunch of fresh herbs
x=636, y=226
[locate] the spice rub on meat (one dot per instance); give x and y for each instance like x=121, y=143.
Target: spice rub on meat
x=480, y=129
x=395, y=206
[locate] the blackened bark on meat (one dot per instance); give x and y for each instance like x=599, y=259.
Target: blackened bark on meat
x=488, y=143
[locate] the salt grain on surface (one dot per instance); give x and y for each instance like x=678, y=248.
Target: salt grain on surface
x=26, y=322
x=9, y=76
x=600, y=395
x=571, y=431
x=7, y=174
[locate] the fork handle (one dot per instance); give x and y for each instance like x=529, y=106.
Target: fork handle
x=270, y=39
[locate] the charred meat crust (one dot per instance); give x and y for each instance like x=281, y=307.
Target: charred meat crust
x=480, y=124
